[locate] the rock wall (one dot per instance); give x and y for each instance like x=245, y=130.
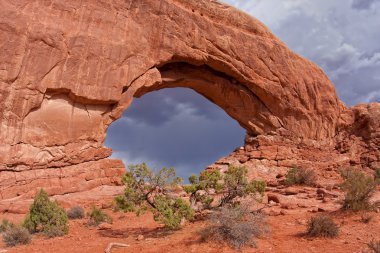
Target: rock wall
x=68, y=69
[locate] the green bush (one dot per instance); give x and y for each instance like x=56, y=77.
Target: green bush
x=5, y=224
x=46, y=216
x=374, y=246
x=236, y=185
x=322, y=226
x=145, y=189
x=75, y=212
x=231, y=186
x=358, y=188
x=300, y=176
x=236, y=226
x=97, y=216
x=199, y=188
x=171, y=212
x=16, y=235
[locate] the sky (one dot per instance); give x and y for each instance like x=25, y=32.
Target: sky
x=179, y=128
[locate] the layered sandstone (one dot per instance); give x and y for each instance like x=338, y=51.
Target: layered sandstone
x=68, y=69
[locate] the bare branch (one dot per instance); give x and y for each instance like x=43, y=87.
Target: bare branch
x=115, y=245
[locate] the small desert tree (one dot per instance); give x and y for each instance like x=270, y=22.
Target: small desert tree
x=46, y=216
x=230, y=186
x=145, y=189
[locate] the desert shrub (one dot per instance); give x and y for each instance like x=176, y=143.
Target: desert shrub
x=322, y=226
x=232, y=185
x=300, y=176
x=5, y=224
x=171, y=212
x=54, y=231
x=97, y=216
x=374, y=246
x=236, y=184
x=16, y=235
x=236, y=226
x=46, y=216
x=358, y=188
x=145, y=189
x=377, y=176
x=75, y=212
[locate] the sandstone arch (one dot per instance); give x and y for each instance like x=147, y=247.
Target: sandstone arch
x=68, y=69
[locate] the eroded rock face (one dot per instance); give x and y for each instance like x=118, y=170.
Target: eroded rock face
x=70, y=68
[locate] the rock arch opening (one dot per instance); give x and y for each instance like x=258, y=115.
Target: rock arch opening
x=174, y=127
x=71, y=69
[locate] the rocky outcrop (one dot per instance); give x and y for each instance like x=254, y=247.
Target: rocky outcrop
x=68, y=69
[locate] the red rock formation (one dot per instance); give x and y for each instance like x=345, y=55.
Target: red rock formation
x=70, y=68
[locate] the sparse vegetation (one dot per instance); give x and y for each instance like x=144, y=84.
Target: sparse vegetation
x=322, y=226
x=145, y=189
x=5, y=224
x=16, y=235
x=300, y=176
x=358, y=188
x=97, y=216
x=46, y=216
x=374, y=246
x=75, y=212
x=237, y=226
x=377, y=175
x=232, y=186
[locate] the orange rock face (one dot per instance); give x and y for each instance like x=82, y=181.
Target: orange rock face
x=68, y=69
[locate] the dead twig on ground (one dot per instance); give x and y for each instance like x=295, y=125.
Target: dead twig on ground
x=115, y=245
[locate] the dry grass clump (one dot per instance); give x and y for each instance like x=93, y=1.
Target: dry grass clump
x=97, y=216
x=5, y=224
x=16, y=235
x=236, y=226
x=322, y=226
x=358, y=188
x=75, y=212
x=300, y=176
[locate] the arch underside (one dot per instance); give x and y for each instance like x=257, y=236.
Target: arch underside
x=226, y=92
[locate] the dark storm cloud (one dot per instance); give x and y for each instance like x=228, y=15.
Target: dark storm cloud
x=169, y=103
x=187, y=139
x=362, y=4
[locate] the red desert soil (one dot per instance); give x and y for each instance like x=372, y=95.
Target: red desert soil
x=286, y=236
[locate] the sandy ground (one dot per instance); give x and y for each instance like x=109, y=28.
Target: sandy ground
x=287, y=235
